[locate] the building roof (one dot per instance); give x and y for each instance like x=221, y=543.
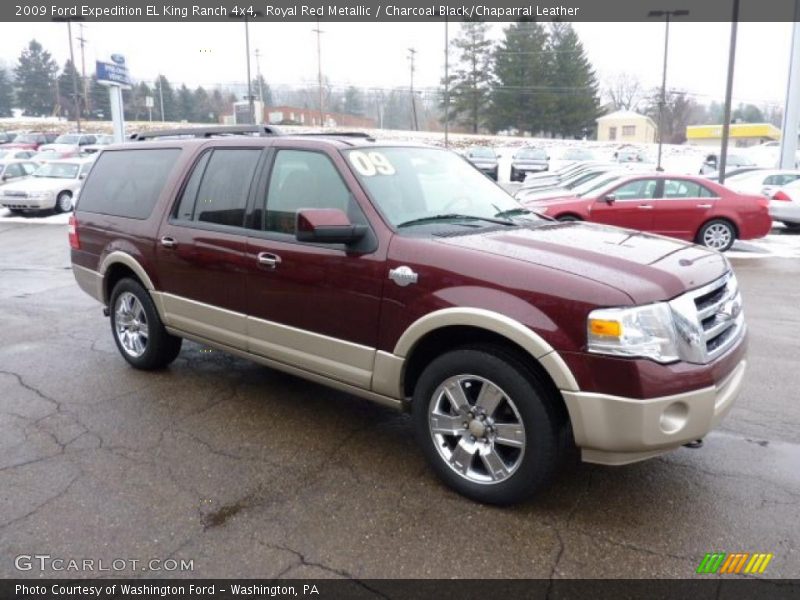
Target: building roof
x=737, y=130
x=624, y=114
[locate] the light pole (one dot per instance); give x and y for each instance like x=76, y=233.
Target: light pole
x=412, y=52
x=726, y=119
x=319, y=33
x=667, y=14
x=250, y=104
x=446, y=83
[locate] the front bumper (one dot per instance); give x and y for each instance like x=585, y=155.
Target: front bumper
x=615, y=430
x=22, y=203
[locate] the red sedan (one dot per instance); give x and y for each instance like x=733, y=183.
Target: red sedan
x=681, y=206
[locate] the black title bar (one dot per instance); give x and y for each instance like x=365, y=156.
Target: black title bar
x=391, y=10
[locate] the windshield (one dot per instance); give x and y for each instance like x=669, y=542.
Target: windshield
x=26, y=138
x=408, y=184
x=58, y=170
x=67, y=139
x=740, y=161
x=531, y=154
x=481, y=152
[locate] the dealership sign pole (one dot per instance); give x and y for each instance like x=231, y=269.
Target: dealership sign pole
x=115, y=75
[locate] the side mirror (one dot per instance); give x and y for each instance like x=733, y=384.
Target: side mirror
x=610, y=198
x=327, y=226
x=82, y=176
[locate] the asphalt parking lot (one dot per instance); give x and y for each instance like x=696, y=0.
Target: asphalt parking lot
x=248, y=472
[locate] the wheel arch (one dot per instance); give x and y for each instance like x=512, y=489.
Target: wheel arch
x=118, y=265
x=725, y=218
x=450, y=328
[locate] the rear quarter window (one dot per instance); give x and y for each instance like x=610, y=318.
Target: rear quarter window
x=127, y=183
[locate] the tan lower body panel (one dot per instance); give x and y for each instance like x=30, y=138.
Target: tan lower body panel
x=293, y=370
x=89, y=281
x=612, y=430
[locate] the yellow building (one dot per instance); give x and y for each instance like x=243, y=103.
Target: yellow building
x=741, y=134
x=626, y=126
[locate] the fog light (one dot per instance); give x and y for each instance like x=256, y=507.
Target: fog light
x=674, y=417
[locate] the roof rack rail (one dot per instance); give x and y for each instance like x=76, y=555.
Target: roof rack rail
x=207, y=132
x=352, y=134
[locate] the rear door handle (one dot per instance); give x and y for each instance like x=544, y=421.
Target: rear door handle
x=168, y=242
x=268, y=259
x=646, y=206
x=703, y=206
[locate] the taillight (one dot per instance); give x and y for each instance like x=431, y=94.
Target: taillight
x=779, y=195
x=74, y=241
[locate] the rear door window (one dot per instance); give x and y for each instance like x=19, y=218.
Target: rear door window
x=218, y=188
x=683, y=188
x=127, y=183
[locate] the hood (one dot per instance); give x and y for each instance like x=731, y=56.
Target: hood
x=648, y=268
x=38, y=184
x=547, y=197
x=530, y=161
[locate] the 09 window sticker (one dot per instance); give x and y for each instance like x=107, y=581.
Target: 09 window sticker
x=369, y=164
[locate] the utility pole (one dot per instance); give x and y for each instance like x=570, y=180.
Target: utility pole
x=319, y=33
x=250, y=105
x=411, y=56
x=791, y=110
x=257, y=54
x=75, y=95
x=446, y=83
x=82, y=39
x=667, y=14
x=160, y=97
x=726, y=119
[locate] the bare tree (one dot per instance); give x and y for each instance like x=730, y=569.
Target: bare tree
x=625, y=92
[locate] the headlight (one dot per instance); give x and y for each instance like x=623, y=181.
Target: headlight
x=641, y=331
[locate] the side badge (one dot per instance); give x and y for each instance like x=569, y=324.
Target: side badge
x=403, y=276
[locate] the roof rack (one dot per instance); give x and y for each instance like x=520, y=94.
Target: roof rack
x=207, y=132
x=352, y=134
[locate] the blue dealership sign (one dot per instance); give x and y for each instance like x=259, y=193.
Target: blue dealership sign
x=115, y=73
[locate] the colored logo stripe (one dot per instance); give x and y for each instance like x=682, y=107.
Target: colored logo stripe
x=737, y=562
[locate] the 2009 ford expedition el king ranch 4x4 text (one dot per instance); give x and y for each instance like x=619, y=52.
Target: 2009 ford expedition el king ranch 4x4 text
x=401, y=274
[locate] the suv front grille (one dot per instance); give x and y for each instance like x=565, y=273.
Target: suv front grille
x=709, y=320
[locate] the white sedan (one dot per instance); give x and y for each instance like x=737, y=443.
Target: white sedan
x=53, y=186
x=784, y=205
x=762, y=181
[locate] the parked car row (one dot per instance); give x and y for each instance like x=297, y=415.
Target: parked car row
x=54, y=185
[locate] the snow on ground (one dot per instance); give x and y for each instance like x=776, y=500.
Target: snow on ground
x=43, y=218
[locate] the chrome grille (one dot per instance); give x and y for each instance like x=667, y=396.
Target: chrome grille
x=709, y=319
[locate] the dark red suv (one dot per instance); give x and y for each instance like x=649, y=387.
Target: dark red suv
x=401, y=274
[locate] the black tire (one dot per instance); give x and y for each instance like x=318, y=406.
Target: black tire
x=63, y=203
x=16, y=211
x=161, y=348
x=535, y=408
x=792, y=226
x=718, y=225
x=568, y=218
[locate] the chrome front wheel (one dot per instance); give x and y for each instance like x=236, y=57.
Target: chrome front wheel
x=477, y=429
x=718, y=235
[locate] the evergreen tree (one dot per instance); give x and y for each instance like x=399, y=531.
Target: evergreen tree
x=219, y=105
x=6, y=94
x=35, y=77
x=397, y=110
x=203, y=108
x=260, y=86
x=164, y=89
x=521, y=97
x=470, y=81
x=66, y=90
x=98, y=100
x=353, y=103
x=574, y=84
x=135, y=101
x=185, y=107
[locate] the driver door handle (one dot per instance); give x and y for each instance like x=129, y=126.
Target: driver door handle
x=703, y=206
x=168, y=242
x=646, y=206
x=268, y=259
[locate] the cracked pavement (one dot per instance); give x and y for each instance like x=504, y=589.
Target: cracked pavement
x=253, y=473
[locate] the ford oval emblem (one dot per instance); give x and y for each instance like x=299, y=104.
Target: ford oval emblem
x=118, y=59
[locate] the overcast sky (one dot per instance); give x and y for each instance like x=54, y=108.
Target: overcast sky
x=374, y=54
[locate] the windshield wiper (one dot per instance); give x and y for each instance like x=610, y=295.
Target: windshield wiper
x=514, y=212
x=450, y=216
